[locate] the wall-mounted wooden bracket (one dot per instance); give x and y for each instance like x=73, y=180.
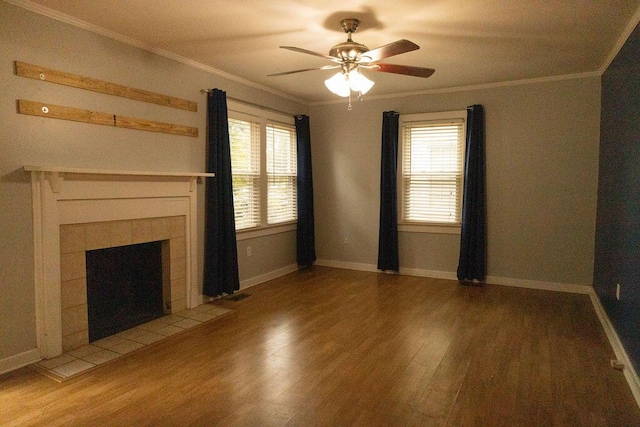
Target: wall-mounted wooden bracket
x=52, y=111
x=60, y=77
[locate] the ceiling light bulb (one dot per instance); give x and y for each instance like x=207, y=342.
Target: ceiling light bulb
x=338, y=84
x=359, y=83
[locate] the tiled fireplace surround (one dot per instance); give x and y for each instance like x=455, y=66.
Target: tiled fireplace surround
x=76, y=239
x=75, y=210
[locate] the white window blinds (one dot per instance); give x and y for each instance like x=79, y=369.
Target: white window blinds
x=432, y=171
x=244, y=137
x=281, y=173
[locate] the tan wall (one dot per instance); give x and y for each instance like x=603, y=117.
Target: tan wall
x=542, y=169
x=35, y=39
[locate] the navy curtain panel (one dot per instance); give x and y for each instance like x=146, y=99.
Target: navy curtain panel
x=388, y=235
x=220, y=252
x=305, y=235
x=473, y=238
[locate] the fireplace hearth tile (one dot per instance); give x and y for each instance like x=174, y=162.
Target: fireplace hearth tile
x=153, y=326
x=148, y=338
x=101, y=357
x=84, y=351
x=109, y=342
x=169, y=330
x=131, y=334
x=56, y=361
x=187, y=323
x=203, y=317
x=188, y=313
x=126, y=347
x=170, y=319
x=72, y=368
x=85, y=358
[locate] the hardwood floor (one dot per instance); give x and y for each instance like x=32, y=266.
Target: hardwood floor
x=325, y=346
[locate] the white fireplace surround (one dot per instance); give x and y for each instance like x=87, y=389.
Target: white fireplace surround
x=78, y=196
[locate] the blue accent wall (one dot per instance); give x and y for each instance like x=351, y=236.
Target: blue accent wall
x=617, y=246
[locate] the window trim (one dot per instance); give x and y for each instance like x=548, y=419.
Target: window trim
x=426, y=227
x=241, y=111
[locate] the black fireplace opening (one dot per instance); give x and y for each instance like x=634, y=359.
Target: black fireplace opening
x=124, y=288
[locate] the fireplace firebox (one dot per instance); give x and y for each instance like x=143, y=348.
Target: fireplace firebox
x=124, y=288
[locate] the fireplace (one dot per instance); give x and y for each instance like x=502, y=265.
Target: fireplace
x=80, y=210
x=79, y=242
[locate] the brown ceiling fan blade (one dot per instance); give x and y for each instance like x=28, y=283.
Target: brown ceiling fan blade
x=326, y=67
x=310, y=52
x=391, y=49
x=403, y=69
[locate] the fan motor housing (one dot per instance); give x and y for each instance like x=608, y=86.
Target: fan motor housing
x=348, y=51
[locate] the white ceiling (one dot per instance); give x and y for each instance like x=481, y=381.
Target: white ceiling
x=468, y=42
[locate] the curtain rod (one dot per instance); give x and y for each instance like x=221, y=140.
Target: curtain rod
x=251, y=104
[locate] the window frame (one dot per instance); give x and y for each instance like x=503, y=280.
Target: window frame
x=237, y=110
x=456, y=116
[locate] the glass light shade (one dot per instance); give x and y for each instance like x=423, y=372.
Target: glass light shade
x=338, y=84
x=359, y=83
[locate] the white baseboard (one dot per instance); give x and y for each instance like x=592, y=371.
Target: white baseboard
x=434, y=274
x=347, y=265
x=19, y=360
x=629, y=371
x=247, y=283
x=452, y=275
x=536, y=284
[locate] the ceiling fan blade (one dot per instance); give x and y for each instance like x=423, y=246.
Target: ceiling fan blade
x=310, y=52
x=402, y=69
x=391, y=49
x=326, y=67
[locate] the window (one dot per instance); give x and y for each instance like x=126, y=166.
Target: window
x=281, y=173
x=244, y=137
x=263, y=164
x=432, y=162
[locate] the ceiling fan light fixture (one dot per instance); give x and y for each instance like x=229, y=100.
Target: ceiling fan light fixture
x=338, y=84
x=359, y=83
x=342, y=84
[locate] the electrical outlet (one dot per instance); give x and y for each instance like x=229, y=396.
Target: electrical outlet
x=618, y=291
x=248, y=250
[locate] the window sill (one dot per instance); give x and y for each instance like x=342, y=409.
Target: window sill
x=252, y=233
x=430, y=228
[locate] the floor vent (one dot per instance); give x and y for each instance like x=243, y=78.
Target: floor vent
x=237, y=297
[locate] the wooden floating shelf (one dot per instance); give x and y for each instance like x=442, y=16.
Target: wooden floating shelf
x=60, y=77
x=52, y=111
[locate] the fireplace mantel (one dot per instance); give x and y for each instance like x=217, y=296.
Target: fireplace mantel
x=63, y=196
x=55, y=175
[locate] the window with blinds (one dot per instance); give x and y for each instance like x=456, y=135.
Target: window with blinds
x=432, y=169
x=244, y=138
x=281, y=173
x=264, y=168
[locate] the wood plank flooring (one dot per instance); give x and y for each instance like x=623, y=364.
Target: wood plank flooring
x=337, y=347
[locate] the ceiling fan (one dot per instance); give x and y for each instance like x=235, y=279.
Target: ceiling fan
x=351, y=56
